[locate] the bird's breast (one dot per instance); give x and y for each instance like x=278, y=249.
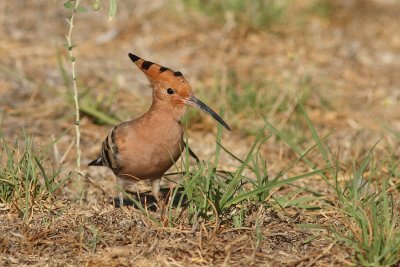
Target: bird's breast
x=149, y=154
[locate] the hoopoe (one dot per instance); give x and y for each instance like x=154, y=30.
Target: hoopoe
x=146, y=147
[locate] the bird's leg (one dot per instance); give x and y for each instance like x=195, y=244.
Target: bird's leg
x=121, y=199
x=155, y=188
x=121, y=186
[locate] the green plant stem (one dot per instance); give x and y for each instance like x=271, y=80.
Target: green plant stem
x=76, y=100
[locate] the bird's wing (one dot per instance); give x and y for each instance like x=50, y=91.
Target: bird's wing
x=109, y=152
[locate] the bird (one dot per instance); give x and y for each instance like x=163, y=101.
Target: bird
x=144, y=148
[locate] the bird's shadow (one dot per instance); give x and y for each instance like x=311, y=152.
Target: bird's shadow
x=148, y=201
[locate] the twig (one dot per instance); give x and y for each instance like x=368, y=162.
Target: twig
x=70, y=21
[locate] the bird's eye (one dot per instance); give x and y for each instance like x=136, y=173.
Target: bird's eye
x=170, y=91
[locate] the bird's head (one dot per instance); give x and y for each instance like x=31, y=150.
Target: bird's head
x=171, y=89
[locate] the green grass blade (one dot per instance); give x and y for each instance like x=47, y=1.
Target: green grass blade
x=297, y=150
x=253, y=192
x=324, y=152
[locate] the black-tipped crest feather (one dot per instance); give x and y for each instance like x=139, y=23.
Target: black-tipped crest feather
x=133, y=57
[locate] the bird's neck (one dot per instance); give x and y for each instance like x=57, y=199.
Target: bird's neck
x=165, y=111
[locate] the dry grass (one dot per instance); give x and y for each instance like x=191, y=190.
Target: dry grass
x=101, y=235
x=338, y=59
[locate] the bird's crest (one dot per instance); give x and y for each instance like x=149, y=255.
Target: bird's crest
x=156, y=72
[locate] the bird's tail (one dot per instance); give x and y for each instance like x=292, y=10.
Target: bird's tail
x=96, y=162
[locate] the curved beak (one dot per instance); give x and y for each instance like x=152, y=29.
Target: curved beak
x=193, y=101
